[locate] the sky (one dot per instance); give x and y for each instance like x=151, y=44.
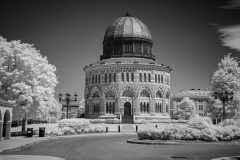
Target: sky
x=190, y=36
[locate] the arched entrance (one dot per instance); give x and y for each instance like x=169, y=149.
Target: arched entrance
x=127, y=116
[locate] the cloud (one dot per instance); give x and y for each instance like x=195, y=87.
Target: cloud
x=230, y=36
x=234, y=4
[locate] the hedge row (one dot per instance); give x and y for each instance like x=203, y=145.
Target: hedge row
x=107, y=121
x=143, y=121
x=75, y=126
x=197, y=129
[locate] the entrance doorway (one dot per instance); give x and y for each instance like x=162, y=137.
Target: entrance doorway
x=127, y=117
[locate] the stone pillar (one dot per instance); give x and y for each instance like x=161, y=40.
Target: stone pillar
x=90, y=106
x=1, y=129
x=8, y=130
x=151, y=105
x=102, y=107
x=164, y=106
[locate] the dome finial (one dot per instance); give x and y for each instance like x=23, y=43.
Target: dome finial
x=127, y=14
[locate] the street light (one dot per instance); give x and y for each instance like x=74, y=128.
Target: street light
x=224, y=97
x=68, y=99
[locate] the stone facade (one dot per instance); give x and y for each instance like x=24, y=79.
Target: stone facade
x=126, y=84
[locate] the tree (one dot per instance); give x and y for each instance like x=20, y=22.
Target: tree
x=226, y=79
x=27, y=81
x=81, y=108
x=214, y=107
x=186, y=108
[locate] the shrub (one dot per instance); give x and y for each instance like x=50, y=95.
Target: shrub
x=113, y=121
x=200, y=123
x=144, y=134
x=79, y=123
x=94, y=121
x=98, y=129
x=140, y=121
x=228, y=122
x=108, y=121
x=208, y=135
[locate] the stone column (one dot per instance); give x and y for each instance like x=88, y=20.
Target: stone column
x=163, y=106
x=1, y=129
x=90, y=106
x=8, y=130
x=102, y=106
x=151, y=105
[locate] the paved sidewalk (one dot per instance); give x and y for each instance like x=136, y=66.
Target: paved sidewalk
x=15, y=142
x=28, y=157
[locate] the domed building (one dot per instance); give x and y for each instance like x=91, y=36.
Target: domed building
x=127, y=82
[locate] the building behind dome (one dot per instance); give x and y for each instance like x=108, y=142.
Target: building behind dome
x=127, y=82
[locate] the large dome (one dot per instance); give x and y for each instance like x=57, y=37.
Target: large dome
x=127, y=26
x=127, y=37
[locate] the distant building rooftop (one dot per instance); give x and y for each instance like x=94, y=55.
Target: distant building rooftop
x=193, y=93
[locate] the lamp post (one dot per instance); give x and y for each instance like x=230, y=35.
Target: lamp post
x=68, y=99
x=224, y=97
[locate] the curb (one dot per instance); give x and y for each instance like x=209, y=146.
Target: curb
x=159, y=142
x=63, y=137
x=150, y=142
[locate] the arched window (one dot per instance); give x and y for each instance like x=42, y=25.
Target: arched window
x=96, y=79
x=107, y=107
x=110, y=77
x=145, y=77
x=113, y=105
x=127, y=77
x=167, y=108
x=149, y=77
x=114, y=77
x=145, y=107
x=99, y=78
x=141, y=105
x=110, y=107
x=132, y=77
x=92, y=79
x=123, y=77
x=158, y=78
x=148, y=107
x=105, y=77
x=160, y=107
x=140, y=77
x=161, y=78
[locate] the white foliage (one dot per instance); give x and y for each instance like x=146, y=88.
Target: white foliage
x=186, y=108
x=27, y=80
x=227, y=79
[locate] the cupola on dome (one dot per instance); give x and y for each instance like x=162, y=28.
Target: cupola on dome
x=127, y=37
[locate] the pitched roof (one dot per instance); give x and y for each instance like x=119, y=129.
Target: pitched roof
x=192, y=94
